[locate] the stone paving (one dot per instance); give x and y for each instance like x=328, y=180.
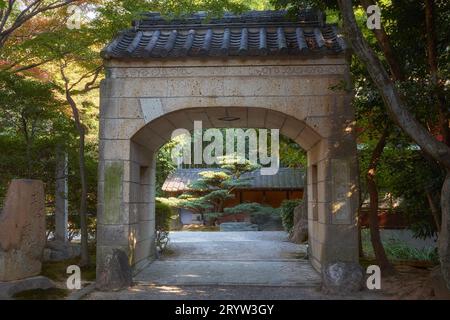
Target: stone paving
x=228, y=265
x=231, y=258
x=226, y=293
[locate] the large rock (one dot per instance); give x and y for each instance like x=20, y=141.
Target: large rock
x=340, y=278
x=115, y=274
x=299, y=233
x=57, y=250
x=22, y=230
x=10, y=288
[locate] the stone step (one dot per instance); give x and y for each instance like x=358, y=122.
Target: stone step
x=212, y=272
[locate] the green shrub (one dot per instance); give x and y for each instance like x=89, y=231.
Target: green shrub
x=399, y=250
x=287, y=213
x=163, y=214
x=251, y=208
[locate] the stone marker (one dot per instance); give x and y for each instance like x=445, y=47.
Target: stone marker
x=60, y=248
x=22, y=230
x=299, y=233
x=115, y=274
x=61, y=197
x=340, y=278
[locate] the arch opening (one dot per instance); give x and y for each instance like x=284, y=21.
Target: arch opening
x=148, y=93
x=138, y=180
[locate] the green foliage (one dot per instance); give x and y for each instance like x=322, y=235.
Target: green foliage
x=172, y=201
x=196, y=205
x=236, y=166
x=406, y=176
x=287, y=213
x=291, y=154
x=208, y=194
x=404, y=173
x=35, y=118
x=212, y=216
x=210, y=180
x=32, y=124
x=217, y=194
x=259, y=214
x=399, y=250
x=163, y=215
x=164, y=165
x=254, y=209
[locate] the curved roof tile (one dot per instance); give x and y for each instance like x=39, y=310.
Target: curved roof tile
x=255, y=33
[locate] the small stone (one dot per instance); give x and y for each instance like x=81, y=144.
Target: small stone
x=115, y=274
x=340, y=278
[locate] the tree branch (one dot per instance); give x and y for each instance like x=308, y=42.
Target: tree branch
x=26, y=14
x=91, y=73
x=31, y=66
x=438, y=90
x=385, y=45
x=396, y=107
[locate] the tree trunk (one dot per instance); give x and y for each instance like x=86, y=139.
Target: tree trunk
x=375, y=238
x=83, y=201
x=82, y=167
x=385, y=45
x=438, y=89
x=28, y=145
x=400, y=113
x=397, y=109
x=444, y=235
x=434, y=210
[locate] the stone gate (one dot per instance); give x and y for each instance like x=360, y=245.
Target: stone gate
x=256, y=70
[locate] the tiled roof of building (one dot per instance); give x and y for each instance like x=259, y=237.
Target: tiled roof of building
x=255, y=33
x=285, y=179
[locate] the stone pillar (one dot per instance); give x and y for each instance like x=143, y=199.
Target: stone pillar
x=123, y=213
x=61, y=197
x=333, y=191
x=145, y=246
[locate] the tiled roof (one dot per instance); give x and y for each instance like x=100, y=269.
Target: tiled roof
x=255, y=33
x=286, y=178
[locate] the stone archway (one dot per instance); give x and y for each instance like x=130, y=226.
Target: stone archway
x=262, y=70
